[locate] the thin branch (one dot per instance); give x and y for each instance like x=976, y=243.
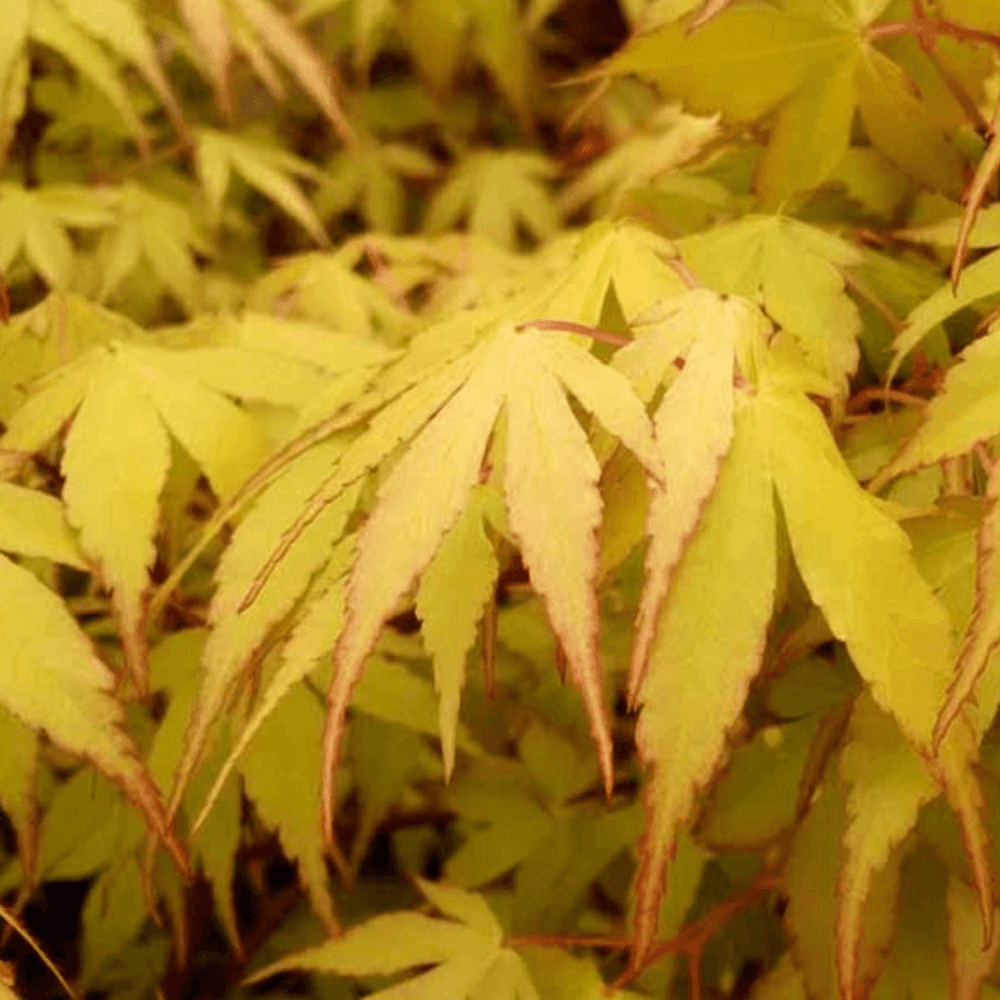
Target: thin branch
x=931, y=26
x=690, y=941
x=859, y=402
x=568, y=326
x=9, y=917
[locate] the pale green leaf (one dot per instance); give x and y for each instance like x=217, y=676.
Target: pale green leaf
x=887, y=783
x=324, y=289
x=113, y=913
x=453, y=593
x=977, y=281
x=902, y=129
x=811, y=133
x=704, y=655
x=917, y=965
x=561, y=976
x=226, y=442
x=982, y=634
x=795, y=272
x=236, y=636
x=812, y=882
x=743, y=63
x=315, y=634
x=262, y=167
x=115, y=464
x=759, y=794
x=18, y=770
x=694, y=429
x=435, y=30
x=51, y=679
x=497, y=190
x=299, y=58
x=120, y=26
x=34, y=524
x=288, y=796
x=51, y=26
x=858, y=568
x=670, y=139
x=624, y=257
x=961, y=415
x=463, y=954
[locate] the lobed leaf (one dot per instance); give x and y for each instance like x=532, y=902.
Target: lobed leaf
x=857, y=566
x=52, y=680
x=694, y=428
x=115, y=464
x=704, y=656
x=451, y=599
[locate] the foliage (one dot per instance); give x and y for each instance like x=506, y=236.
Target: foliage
x=500, y=499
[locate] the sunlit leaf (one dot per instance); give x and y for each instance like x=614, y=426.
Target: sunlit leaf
x=453, y=593
x=704, y=655
x=115, y=463
x=52, y=680
x=854, y=559
x=796, y=273
x=464, y=951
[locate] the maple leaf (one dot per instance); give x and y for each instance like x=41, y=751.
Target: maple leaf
x=156, y=231
x=855, y=559
x=669, y=139
x=960, y=416
x=259, y=31
x=887, y=785
x=624, y=257
x=813, y=880
x=527, y=820
x=466, y=951
x=796, y=273
x=368, y=174
x=91, y=36
x=326, y=289
x=700, y=646
x=34, y=225
x=118, y=427
x=238, y=635
x=455, y=589
x=52, y=680
x=285, y=362
x=430, y=486
x=266, y=168
x=126, y=398
x=289, y=798
x=979, y=280
x=982, y=634
x=694, y=429
x=880, y=767
x=812, y=66
x=34, y=524
x=48, y=336
x=497, y=190
x=173, y=672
